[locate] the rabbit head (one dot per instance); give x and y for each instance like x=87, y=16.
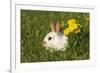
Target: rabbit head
x=55, y=39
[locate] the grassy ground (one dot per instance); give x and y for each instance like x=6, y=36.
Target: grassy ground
x=34, y=27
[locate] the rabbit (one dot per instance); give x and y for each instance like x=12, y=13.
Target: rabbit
x=55, y=40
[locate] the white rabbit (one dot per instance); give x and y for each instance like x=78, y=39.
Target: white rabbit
x=55, y=39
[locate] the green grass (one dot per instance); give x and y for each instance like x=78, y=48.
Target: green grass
x=34, y=27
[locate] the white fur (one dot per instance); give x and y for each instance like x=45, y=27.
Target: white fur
x=58, y=41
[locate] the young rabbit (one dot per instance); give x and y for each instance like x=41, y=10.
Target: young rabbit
x=55, y=40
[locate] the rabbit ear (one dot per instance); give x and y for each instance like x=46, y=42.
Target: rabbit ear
x=52, y=26
x=57, y=27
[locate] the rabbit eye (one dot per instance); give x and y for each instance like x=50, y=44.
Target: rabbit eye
x=49, y=38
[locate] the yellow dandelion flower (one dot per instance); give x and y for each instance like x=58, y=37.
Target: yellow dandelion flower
x=73, y=27
x=66, y=31
x=71, y=22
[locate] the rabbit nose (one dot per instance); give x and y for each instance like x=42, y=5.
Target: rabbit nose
x=44, y=42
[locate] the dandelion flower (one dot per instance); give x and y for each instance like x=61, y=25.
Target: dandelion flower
x=66, y=31
x=71, y=21
x=73, y=27
x=72, y=24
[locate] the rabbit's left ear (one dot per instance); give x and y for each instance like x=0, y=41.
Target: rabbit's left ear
x=57, y=26
x=52, y=26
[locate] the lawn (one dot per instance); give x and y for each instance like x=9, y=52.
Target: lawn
x=35, y=26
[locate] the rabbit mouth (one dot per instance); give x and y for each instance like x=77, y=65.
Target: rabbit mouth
x=45, y=44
